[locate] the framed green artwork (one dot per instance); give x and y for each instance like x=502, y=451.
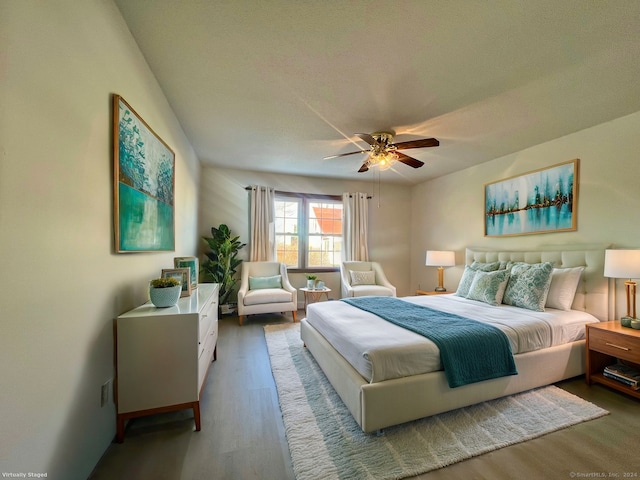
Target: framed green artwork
x=144, y=183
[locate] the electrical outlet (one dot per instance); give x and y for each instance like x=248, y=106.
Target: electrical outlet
x=104, y=393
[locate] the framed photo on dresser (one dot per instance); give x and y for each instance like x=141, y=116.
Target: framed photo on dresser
x=191, y=263
x=183, y=275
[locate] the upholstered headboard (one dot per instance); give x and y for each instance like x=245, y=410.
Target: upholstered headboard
x=592, y=294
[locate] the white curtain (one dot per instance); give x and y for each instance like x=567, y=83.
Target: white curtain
x=262, y=228
x=355, y=227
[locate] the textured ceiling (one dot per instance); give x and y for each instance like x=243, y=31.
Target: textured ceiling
x=277, y=85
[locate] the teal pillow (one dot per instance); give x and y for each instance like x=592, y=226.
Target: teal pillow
x=486, y=267
x=257, y=283
x=488, y=287
x=528, y=286
x=465, y=282
x=469, y=274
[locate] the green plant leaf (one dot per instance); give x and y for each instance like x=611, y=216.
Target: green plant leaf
x=222, y=262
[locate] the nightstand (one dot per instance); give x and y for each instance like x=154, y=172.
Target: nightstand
x=607, y=341
x=312, y=295
x=424, y=292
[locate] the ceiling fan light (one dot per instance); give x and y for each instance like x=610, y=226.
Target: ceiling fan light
x=384, y=160
x=384, y=153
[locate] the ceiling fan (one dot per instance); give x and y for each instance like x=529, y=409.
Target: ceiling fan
x=384, y=153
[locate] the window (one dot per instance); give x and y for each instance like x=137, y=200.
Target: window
x=308, y=231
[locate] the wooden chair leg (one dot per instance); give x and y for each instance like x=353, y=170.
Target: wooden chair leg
x=294, y=316
x=240, y=317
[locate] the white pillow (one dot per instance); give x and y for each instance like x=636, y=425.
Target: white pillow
x=362, y=278
x=564, y=283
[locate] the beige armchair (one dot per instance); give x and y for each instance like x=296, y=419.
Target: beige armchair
x=360, y=279
x=265, y=288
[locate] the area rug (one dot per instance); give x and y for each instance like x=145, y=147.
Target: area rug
x=327, y=443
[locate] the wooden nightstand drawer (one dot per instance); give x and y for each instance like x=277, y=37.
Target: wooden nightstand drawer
x=614, y=344
x=606, y=343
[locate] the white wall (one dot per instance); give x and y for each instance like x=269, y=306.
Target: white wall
x=608, y=201
x=61, y=63
x=225, y=200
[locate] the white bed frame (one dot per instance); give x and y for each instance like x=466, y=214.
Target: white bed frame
x=379, y=405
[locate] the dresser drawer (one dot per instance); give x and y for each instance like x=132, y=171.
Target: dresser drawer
x=614, y=344
x=209, y=314
x=206, y=355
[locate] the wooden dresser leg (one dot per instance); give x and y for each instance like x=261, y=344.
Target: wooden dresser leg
x=196, y=415
x=120, y=428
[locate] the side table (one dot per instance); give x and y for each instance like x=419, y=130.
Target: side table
x=314, y=295
x=606, y=342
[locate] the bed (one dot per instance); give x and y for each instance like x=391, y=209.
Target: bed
x=378, y=399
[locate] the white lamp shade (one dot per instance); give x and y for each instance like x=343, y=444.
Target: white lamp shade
x=440, y=258
x=622, y=263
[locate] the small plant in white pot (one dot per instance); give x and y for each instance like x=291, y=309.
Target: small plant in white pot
x=164, y=292
x=311, y=280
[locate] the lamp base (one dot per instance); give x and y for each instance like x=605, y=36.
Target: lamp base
x=440, y=289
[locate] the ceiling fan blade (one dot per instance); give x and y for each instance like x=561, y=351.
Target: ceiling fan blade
x=407, y=160
x=363, y=168
x=344, y=154
x=368, y=138
x=425, y=142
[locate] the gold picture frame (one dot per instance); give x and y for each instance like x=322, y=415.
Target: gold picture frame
x=183, y=275
x=540, y=201
x=143, y=184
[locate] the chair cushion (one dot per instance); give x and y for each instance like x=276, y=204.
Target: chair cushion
x=377, y=290
x=267, y=295
x=256, y=283
x=362, y=278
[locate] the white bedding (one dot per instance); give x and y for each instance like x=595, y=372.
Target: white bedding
x=380, y=350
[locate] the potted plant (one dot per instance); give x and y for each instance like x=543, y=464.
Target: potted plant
x=311, y=280
x=164, y=292
x=222, y=262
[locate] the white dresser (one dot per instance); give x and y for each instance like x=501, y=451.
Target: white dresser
x=163, y=355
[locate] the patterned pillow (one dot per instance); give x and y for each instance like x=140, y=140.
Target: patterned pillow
x=362, y=278
x=257, y=283
x=465, y=282
x=485, y=267
x=528, y=286
x=564, y=283
x=488, y=287
x=469, y=274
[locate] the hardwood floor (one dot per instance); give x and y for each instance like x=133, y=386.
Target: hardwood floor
x=243, y=436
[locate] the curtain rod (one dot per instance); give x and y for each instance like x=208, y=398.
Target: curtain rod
x=308, y=194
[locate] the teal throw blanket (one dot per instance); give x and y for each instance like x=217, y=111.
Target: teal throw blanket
x=470, y=351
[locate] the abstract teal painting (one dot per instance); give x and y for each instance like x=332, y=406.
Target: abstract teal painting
x=144, y=181
x=541, y=201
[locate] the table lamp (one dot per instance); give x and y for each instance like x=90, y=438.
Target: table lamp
x=624, y=264
x=440, y=259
